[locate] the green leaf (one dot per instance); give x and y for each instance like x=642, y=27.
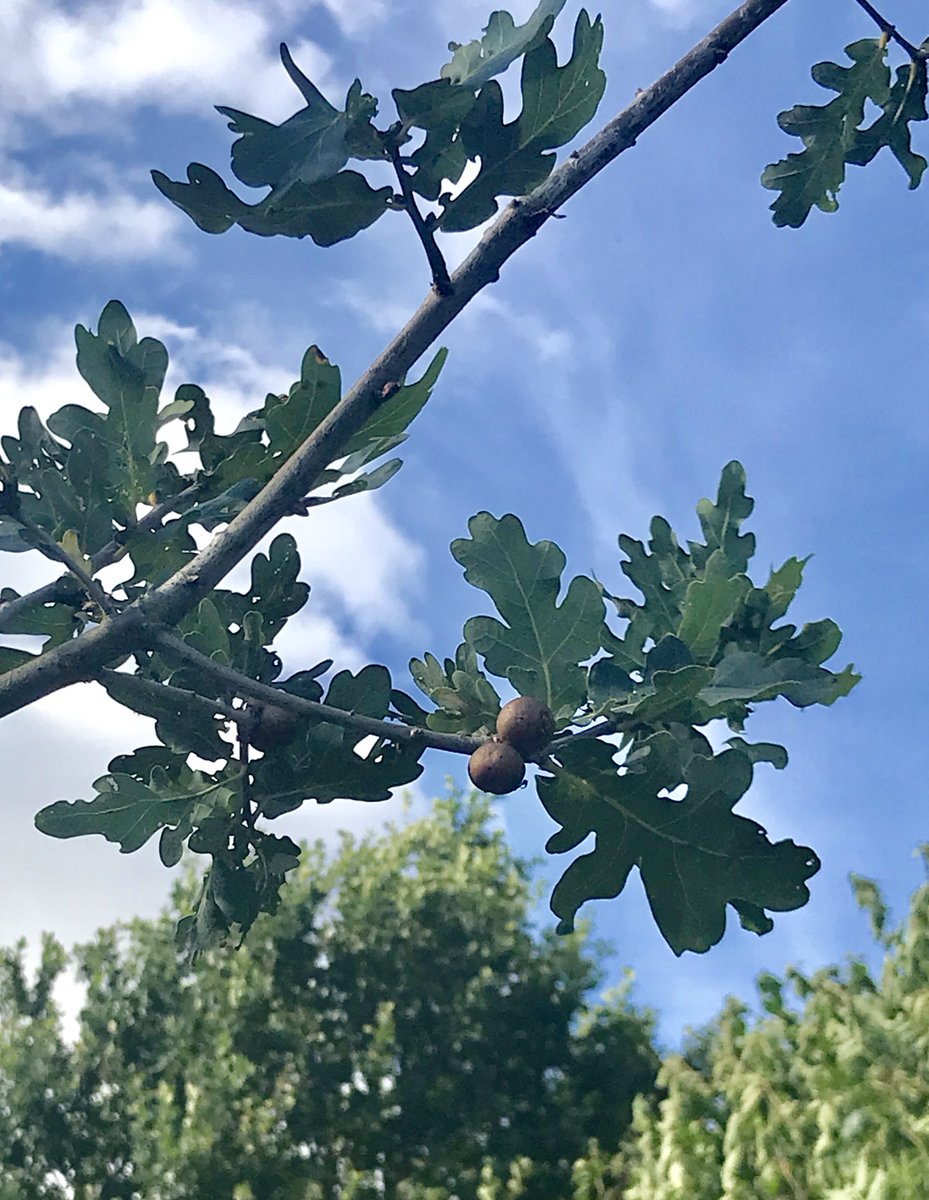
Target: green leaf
x=236, y=891
x=127, y=375
x=783, y=584
x=541, y=644
x=143, y=792
x=158, y=553
x=815, y=642
x=608, y=685
x=369, y=481
x=222, y=508
x=695, y=855
x=721, y=522
x=709, y=604
x=276, y=592
x=503, y=42
x=769, y=752
x=90, y=476
x=207, y=630
x=467, y=701
x=328, y=211
x=906, y=102
x=674, y=697
x=291, y=419
x=310, y=146
x=557, y=103
x=10, y=658
x=58, y=622
x=662, y=574
x=745, y=676
x=439, y=108
x=395, y=415
x=14, y=536
x=833, y=136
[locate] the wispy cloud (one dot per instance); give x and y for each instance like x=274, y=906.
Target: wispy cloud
x=70, y=226
x=177, y=56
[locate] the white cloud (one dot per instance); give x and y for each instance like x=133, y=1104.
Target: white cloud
x=355, y=554
x=679, y=13
x=182, y=57
x=356, y=17
x=71, y=226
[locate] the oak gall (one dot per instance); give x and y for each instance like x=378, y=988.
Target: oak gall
x=527, y=724
x=496, y=767
x=273, y=727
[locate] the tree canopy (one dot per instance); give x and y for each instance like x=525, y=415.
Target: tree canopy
x=824, y=1096
x=397, y=1025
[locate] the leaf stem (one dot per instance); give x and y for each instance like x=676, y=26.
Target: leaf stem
x=915, y=53
x=440, y=277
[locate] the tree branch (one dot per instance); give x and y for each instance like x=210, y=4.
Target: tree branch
x=440, y=276
x=234, y=683
x=521, y=220
x=885, y=26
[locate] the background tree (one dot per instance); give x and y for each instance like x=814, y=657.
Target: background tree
x=396, y=1025
x=826, y=1095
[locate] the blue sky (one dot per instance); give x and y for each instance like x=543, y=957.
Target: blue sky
x=632, y=349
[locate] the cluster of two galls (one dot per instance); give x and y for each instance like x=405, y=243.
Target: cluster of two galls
x=524, y=728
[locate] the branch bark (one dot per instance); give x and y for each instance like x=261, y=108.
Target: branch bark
x=103, y=645
x=236, y=684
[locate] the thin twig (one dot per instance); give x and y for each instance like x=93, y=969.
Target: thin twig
x=184, y=695
x=82, y=657
x=440, y=277
x=234, y=683
x=885, y=26
x=51, y=549
x=112, y=552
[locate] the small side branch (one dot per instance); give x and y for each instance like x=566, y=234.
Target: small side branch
x=915, y=53
x=50, y=548
x=440, y=276
x=114, y=550
x=233, y=683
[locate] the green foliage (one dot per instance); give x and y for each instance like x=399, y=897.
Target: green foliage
x=630, y=762
x=78, y=484
x=825, y=1094
x=835, y=134
x=398, y=1017
x=466, y=699
x=703, y=645
x=301, y=161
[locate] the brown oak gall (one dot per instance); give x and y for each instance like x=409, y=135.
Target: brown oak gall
x=273, y=727
x=527, y=724
x=496, y=767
